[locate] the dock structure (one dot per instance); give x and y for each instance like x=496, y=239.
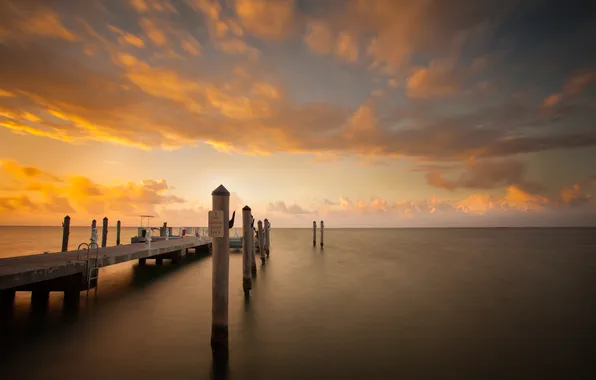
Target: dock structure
x=70, y=271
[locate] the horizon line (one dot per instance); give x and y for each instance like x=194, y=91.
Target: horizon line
x=326, y=227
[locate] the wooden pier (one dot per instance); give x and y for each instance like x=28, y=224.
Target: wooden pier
x=71, y=271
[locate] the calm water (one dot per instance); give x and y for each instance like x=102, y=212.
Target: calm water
x=402, y=303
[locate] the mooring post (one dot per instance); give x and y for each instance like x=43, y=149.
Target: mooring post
x=266, y=227
x=65, y=233
x=93, y=234
x=314, y=233
x=118, y=226
x=322, y=227
x=104, y=232
x=252, y=246
x=261, y=242
x=246, y=251
x=220, y=233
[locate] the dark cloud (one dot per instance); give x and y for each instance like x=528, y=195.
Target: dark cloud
x=140, y=97
x=486, y=174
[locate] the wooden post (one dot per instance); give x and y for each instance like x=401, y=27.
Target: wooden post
x=314, y=233
x=93, y=233
x=252, y=246
x=118, y=226
x=266, y=227
x=221, y=275
x=261, y=242
x=65, y=233
x=104, y=232
x=322, y=227
x=246, y=251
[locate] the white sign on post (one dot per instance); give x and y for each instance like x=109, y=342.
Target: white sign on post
x=216, y=224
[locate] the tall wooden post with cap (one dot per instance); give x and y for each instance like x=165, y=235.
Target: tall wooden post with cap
x=314, y=233
x=220, y=233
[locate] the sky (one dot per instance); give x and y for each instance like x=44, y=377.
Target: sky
x=361, y=113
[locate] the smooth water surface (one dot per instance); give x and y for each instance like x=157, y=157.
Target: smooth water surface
x=374, y=304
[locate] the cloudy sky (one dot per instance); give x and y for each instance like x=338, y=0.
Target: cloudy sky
x=357, y=112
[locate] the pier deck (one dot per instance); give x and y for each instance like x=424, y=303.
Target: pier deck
x=17, y=272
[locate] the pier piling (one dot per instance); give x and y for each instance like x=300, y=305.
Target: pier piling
x=118, y=226
x=104, y=232
x=322, y=227
x=261, y=242
x=314, y=233
x=266, y=226
x=246, y=251
x=220, y=233
x=65, y=233
x=93, y=240
x=252, y=246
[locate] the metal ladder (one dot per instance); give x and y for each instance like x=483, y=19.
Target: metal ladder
x=92, y=265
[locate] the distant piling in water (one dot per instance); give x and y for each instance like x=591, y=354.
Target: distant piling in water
x=252, y=246
x=266, y=226
x=322, y=227
x=220, y=233
x=314, y=233
x=246, y=250
x=261, y=242
x=65, y=233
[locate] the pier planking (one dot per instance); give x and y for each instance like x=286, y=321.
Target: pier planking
x=24, y=270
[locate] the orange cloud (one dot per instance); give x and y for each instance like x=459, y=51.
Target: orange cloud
x=5, y=93
x=574, y=85
x=155, y=34
x=78, y=194
x=127, y=38
x=143, y=6
x=318, y=37
x=46, y=23
x=191, y=46
x=346, y=47
x=12, y=168
x=436, y=80
x=519, y=199
x=270, y=19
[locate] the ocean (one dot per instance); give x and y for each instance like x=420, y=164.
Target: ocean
x=373, y=304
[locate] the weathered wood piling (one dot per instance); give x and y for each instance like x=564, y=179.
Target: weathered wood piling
x=93, y=240
x=252, y=246
x=322, y=228
x=104, y=233
x=246, y=250
x=314, y=233
x=118, y=226
x=261, y=241
x=65, y=233
x=266, y=225
x=220, y=233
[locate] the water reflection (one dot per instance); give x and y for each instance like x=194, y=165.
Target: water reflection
x=220, y=366
x=29, y=317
